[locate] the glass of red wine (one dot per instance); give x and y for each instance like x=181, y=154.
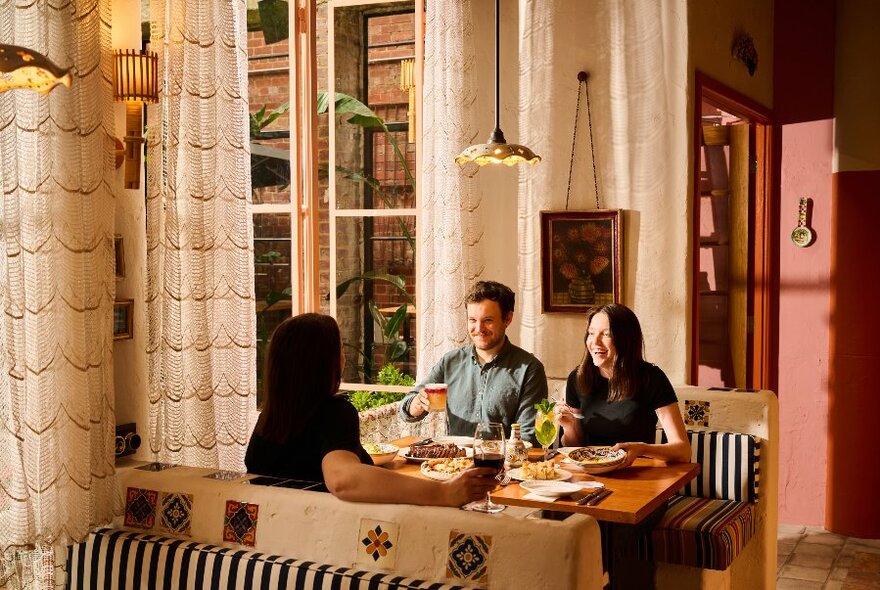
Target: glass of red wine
x=489, y=452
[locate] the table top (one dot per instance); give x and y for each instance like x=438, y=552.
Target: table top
x=637, y=491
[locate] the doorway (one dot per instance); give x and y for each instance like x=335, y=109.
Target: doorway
x=732, y=239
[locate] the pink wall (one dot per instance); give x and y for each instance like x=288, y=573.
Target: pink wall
x=804, y=310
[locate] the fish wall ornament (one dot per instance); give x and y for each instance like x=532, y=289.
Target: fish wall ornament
x=22, y=68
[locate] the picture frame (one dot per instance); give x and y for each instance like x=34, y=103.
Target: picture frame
x=122, y=319
x=580, y=259
x=119, y=255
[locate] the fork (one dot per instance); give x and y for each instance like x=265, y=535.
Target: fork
x=503, y=478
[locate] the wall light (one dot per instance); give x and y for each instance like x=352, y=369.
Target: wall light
x=135, y=81
x=23, y=68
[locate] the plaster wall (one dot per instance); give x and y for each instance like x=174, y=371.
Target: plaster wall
x=129, y=356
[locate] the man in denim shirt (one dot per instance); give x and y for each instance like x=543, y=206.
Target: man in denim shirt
x=489, y=380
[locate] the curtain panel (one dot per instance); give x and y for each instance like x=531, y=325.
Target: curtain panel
x=57, y=286
x=450, y=223
x=201, y=341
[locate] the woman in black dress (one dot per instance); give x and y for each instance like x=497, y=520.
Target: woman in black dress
x=620, y=396
x=306, y=431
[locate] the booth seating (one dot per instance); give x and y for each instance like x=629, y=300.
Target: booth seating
x=191, y=528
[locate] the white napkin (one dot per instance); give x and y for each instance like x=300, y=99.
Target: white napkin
x=550, y=491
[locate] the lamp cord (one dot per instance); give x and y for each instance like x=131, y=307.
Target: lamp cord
x=583, y=78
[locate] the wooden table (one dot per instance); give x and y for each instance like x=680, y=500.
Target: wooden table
x=637, y=491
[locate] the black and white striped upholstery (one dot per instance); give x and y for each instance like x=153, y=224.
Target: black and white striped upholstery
x=730, y=464
x=120, y=559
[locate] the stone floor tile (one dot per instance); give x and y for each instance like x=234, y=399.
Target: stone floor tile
x=838, y=573
x=818, y=550
x=870, y=579
x=792, y=584
x=785, y=547
x=866, y=562
x=865, y=542
x=798, y=572
x=856, y=545
x=844, y=561
x=833, y=585
x=823, y=562
x=790, y=532
x=855, y=586
x=823, y=538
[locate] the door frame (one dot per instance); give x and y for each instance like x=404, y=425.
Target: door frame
x=763, y=230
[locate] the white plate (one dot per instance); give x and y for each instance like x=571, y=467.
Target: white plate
x=561, y=475
x=466, y=441
x=557, y=489
x=404, y=452
x=438, y=475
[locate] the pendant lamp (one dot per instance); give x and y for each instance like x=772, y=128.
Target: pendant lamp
x=496, y=150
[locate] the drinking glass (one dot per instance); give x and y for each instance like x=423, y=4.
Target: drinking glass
x=489, y=452
x=546, y=429
x=436, y=393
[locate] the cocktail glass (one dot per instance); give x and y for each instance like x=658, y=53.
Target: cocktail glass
x=546, y=429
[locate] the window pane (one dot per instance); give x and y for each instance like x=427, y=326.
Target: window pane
x=376, y=315
x=272, y=279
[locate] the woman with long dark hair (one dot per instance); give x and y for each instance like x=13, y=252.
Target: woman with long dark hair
x=620, y=395
x=306, y=431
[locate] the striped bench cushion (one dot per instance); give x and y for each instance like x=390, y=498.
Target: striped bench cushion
x=729, y=464
x=120, y=559
x=699, y=532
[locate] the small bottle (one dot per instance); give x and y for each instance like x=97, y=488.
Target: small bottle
x=516, y=448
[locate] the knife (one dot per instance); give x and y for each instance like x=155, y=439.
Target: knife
x=589, y=496
x=599, y=497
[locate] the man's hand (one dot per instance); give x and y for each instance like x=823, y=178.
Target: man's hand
x=418, y=405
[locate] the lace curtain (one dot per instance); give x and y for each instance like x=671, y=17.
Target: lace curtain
x=200, y=301
x=57, y=287
x=451, y=227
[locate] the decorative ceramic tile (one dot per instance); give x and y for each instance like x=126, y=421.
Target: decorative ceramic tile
x=469, y=556
x=696, y=413
x=140, y=508
x=240, y=523
x=175, y=513
x=377, y=544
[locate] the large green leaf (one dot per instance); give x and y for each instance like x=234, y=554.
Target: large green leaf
x=394, y=322
x=396, y=351
x=398, y=282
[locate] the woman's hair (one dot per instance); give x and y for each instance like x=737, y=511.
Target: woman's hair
x=303, y=368
x=627, y=335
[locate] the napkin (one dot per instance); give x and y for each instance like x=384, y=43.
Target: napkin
x=550, y=491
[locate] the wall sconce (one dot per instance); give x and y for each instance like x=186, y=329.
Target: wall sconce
x=23, y=68
x=135, y=81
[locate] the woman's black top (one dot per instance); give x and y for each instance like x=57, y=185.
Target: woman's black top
x=630, y=420
x=334, y=427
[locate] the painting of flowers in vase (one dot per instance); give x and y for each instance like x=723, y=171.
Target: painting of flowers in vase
x=580, y=259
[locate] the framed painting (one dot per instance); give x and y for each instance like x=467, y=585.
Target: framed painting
x=580, y=259
x=122, y=319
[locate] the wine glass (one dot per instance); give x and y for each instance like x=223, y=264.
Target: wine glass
x=489, y=452
x=546, y=427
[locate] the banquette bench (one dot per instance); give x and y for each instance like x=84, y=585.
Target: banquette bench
x=719, y=531
x=191, y=528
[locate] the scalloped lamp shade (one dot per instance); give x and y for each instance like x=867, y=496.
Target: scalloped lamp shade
x=135, y=81
x=509, y=154
x=22, y=68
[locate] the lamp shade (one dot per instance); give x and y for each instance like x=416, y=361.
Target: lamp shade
x=23, y=68
x=509, y=154
x=135, y=76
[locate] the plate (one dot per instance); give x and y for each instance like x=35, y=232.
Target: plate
x=404, y=452
x=430, y=473
x=517, y=474
x=596, y=456
x=559, y=488
x=467, y=441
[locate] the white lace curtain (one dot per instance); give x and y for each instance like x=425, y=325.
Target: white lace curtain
x=200, y=300
x=451, y=228
x=57, y=287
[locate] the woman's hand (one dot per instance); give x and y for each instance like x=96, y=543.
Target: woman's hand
x=419, y=404
x=570, y=421
x=469, y=485
x=633, y=451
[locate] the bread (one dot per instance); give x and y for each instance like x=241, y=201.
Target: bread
x=539, y=470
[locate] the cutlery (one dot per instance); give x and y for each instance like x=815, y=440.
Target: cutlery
x=589, y=496
x=503, y=478
x=599, y=497
x=423, y=442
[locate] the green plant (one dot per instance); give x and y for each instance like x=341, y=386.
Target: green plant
x=261, y=119
x=387, y=375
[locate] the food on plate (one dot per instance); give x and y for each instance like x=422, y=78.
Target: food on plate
x=449, y=465
x=436, y=451
x=539, y=470
x=378, y=449
x=596, y=455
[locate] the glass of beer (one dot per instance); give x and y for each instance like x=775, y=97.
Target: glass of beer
x=436, y=397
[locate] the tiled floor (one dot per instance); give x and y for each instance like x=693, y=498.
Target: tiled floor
x=810, y=557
